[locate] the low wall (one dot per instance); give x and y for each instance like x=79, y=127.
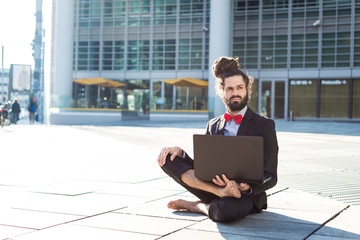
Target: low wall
x=178, y=115
x=73, y=116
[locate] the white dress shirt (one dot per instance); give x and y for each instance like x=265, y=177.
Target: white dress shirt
x=231, y=128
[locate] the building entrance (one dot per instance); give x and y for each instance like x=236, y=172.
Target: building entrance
x=272, y=97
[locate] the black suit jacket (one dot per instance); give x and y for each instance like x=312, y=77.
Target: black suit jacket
x=255, y=125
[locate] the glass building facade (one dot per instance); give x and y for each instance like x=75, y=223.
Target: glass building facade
x=303, y=54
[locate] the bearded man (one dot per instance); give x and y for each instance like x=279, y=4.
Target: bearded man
x=224, y=199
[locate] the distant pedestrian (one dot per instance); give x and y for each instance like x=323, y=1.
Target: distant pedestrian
x=15, y=109
x=32, y=111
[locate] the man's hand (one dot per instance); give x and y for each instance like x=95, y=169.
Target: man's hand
x=222, y=182
x=230, y=187
x=173, y=151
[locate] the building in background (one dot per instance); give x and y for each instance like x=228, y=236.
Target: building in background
x=4, y=84
x=303, y=54
x=37, y=87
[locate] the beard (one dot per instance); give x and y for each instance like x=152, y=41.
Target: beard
x=234, y=106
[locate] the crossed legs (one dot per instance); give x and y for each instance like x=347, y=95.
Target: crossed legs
x=219, y=203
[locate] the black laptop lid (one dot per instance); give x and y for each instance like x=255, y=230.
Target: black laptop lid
x=240, y=158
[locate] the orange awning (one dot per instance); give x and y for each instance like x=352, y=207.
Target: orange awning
x=99, y=81
x=186, y=82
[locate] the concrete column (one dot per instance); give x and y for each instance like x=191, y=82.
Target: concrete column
x=219, y=45
x=63, y=41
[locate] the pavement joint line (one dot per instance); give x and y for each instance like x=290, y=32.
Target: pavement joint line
x=149, y=180
x=42, y=211
x=118, y=230
x=6, y=225
x=327, y=221
x=157, y=199
x=281, y=190
x=231, y=233
x=84, y=217
x=61, y=194
x=186, y=227
x=163, y=217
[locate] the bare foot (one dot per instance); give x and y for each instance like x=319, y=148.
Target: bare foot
x=181, y=204
x=231, y=190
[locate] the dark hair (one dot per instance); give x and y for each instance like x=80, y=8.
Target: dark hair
x=225, y=67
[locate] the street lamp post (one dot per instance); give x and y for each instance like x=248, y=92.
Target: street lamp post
x=3, y=75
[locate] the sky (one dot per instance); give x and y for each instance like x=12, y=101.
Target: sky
x=17, y=31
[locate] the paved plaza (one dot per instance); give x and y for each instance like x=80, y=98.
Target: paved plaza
x=103, y=182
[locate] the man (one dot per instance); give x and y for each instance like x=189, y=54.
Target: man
x=15, y=109
x=224, y=199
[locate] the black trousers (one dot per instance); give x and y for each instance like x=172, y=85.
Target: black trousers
x=223, y=209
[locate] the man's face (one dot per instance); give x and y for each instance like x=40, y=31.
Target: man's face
x=235, y=93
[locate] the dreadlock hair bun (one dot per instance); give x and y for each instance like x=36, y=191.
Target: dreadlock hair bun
x=224, y=65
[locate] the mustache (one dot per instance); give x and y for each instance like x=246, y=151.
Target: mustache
x=236, y=96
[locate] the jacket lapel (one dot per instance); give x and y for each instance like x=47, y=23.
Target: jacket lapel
x=220, y=126
x=245, y=123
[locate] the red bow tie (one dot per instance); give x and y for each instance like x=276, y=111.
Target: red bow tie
x=237, y=118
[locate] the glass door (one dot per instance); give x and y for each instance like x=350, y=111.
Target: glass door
x=273, y=99
x=279, y=99
x=266, y=99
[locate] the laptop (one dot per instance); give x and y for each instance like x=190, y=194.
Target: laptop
x=240, y=158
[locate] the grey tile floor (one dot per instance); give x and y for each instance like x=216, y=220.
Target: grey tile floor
x=102, y=182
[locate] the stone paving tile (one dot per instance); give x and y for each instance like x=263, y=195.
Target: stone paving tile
x=345, y=225
x=259, y=228
x=135, y=223
x=7, y=231
x=322, y=237
x=72, y=232
x=159, y=208
x=138, y=190
x=83, y=205
x=70, y=188
x=33, y=219
x=162, y=182
x=196, y=234
x=120, y=173
x=292, y=199
x=295, y=216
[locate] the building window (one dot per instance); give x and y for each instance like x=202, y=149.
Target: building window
x=246, y=5
x=94, y=55
x=165, y=12
x=303, y=98
x=82, y=58
x=113, y=55
x=246, y=48
x=334, y=101
x=304, y=51
x=274, y=51
x=164, y=52
x=138, y=55
x=253, y=101
x=119, y=55
x=357, y=49
x=191, y=12
x=190, y=53
x=107, y=55
x=108, y=8
x=336, y=49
